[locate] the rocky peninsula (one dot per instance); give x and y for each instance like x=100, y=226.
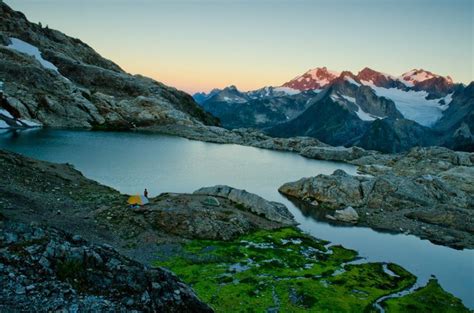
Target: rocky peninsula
x=428, y=192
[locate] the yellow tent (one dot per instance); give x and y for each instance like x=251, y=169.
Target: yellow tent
x=137, y=199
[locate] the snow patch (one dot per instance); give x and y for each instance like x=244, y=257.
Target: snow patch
x=3, y=124
x=289, y=91
x=406, y=83
x=6, y=113
x=365, y=116
x=367, y=83
x=24, y=47
x=351, y=80
x=413, y=104
x=447, y=101
x=234, y=99
x=350, y=99
x=360, y=113
x=31, y=123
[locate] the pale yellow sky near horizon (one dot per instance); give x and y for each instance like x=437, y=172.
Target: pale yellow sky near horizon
x=200, y=45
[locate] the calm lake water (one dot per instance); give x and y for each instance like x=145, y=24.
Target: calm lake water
x=131, y=162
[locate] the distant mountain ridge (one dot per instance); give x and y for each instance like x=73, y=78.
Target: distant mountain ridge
x=413, y=107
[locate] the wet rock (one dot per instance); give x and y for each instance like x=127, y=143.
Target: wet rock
x=348, y=215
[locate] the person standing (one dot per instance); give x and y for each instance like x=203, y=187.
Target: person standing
x=145, y=193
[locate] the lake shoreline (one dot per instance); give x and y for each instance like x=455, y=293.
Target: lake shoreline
x=58, y=196
x=176, y=164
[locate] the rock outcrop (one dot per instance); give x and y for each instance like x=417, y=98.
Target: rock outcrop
x=336, y=153
x=54, y=80
x=426, y=191
x=272, y=211
x=176, y=217
x=47, y=270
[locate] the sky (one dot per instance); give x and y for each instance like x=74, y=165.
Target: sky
x=198, y=45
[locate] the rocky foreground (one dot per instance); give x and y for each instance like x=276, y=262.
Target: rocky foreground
x=46, y=270
x=69, y=243
x=428, y=192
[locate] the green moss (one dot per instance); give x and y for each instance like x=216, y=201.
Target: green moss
x=431, y=298
x=74, y=272
x=69, y=270
x=283, y=269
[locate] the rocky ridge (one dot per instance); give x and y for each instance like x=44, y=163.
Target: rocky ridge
x=54, y=80
x=427, y=192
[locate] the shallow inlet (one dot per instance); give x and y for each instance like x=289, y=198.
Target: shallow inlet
x=131, y=162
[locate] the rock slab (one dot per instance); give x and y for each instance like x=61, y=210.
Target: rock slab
x=273, y=211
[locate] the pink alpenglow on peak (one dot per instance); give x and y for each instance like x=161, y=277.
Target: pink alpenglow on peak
x=419, y=75
x=317, y=78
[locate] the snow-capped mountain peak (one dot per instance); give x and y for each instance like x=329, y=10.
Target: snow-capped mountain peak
x=316, y=78
x=374, y=77
x=420, y=75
